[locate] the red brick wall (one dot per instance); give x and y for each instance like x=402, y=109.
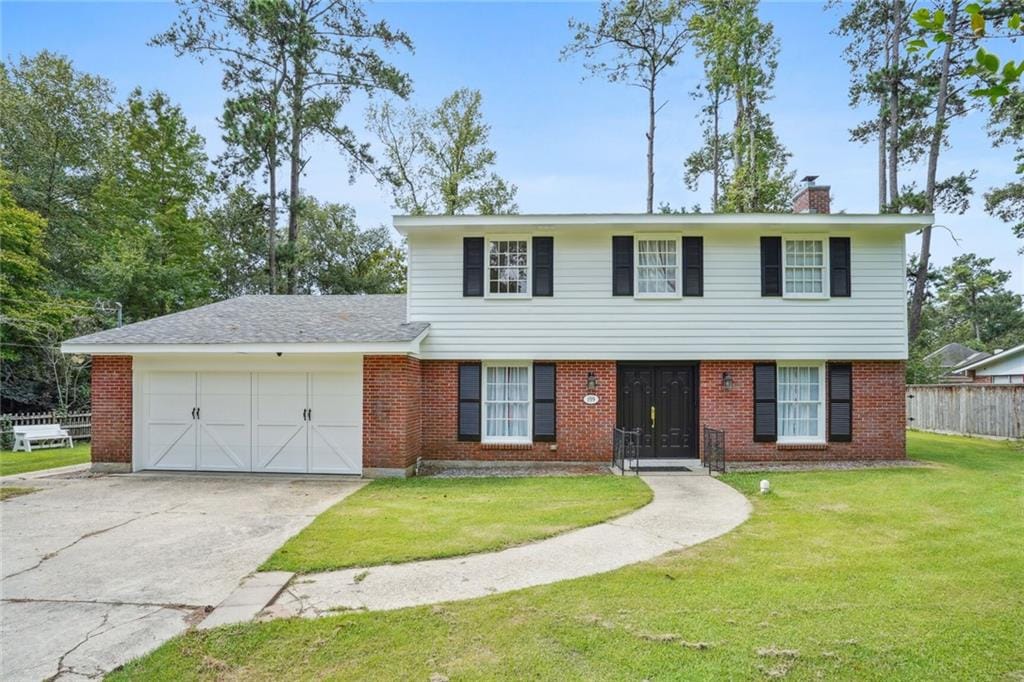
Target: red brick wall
x=112, y=408
x=812, y=200
x=391, y=411
x=584, y=432
x=879, y=414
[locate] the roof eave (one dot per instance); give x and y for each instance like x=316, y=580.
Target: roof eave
x=410, y=347
x=905, y=223
x=992, y=358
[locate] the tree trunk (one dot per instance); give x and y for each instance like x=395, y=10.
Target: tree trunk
x=894, y=104
x=716, y=154
x=882, y=167
x=272, y=220
x=295, y=171
x=938, y=129
x=651, y=112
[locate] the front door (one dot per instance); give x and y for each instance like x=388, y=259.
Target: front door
x=660, y=400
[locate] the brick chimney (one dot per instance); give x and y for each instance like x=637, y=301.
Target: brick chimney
x=812, y=198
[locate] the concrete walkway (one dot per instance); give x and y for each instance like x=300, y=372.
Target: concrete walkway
x=686, y=510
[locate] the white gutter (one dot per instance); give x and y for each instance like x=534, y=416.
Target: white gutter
x=905, y=223
x=383, y=348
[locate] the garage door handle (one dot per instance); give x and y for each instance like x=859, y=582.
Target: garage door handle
x=197, y=413
x=193, y=413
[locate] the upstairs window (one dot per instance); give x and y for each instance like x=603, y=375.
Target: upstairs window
x=508, y=267
x=657, y=266
x=803, y=263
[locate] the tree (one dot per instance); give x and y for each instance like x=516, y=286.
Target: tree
x=975, y=305
x=439, y=161
x=54, y=129
x=237, y=244
x=336, y=257
x=739, y=53
x=644, y=38
x=154, y=180
x=325, y=51
x=1006, y=126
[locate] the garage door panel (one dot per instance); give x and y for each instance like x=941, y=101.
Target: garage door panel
x=280, y=427
x=336, y=398
x=225, y=435
x=335, y=449
x=170, y=399
x=281, y=448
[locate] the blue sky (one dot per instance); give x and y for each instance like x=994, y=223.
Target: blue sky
x=571, y=145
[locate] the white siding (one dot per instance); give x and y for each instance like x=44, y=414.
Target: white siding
x=1009, y=365
x=731, y=321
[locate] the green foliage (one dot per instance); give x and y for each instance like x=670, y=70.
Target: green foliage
x=336, y=257
x=6, y=433
x=154, y=180
x=739, y=53
x=976, y=306
x=237, y=251
x=1006, y=126
x=440, y=161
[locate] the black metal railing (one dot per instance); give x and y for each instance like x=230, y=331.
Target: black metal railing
x=713, y=453
x=626, y=449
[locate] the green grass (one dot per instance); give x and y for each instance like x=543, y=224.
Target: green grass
x=7, y=492
x=898, y=574
x=23, y=462
x=391, y=521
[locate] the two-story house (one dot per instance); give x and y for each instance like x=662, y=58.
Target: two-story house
x=529, y=338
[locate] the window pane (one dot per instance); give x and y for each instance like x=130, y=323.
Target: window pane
x=804, y=266
x=507, y=402
x=507, y=267
x=799, y=401
x=657, y=263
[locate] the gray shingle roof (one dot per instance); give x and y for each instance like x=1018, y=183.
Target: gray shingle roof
x=273, y=319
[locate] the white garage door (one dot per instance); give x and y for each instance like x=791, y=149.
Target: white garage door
x=253, y=421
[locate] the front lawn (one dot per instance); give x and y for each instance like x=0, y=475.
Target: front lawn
x=913, y=573
x=23, y=462
x=391, y=521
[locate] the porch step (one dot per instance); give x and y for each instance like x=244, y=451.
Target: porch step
x=667, y=466
x=653, y=468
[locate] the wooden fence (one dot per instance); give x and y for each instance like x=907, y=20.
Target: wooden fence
x=969, y=409
x=78, y=424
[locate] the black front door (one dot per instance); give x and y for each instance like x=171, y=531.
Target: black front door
x=660, y=400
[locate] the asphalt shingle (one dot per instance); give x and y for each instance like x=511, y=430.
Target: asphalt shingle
x=273, y=319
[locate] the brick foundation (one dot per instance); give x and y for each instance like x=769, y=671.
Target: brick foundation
x=112, y=411
x=879, y=414
x=584, y=432
x=391, y=413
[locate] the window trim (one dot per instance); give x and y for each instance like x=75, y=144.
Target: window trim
x=822, y=436
x=506, y=440
x=677, y=239
x=488, y=238
x=825, y=274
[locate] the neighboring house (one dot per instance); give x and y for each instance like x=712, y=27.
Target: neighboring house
x=1004, y=367
x=951, y=358
x=530, y=338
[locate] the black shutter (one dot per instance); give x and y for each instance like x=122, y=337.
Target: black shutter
x=469, y=402
x=473, y=266
x=765, y=425
x=622, y=266
x=543, y=266
x=840, y=401
x=839, y=266
x=543, y=402
x=771, y=266
x=693, y=266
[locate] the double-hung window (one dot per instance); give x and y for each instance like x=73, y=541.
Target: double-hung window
x=507, y=399
x=508, y=266
x=657, y=266
x=801, y=403
x=804, y=263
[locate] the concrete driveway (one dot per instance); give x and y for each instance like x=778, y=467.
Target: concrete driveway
x=97, y=571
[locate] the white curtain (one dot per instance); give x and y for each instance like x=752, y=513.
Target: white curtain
x=507, y=402
x=656, y=266
x=799, y=401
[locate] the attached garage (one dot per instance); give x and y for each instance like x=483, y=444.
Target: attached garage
x=257, y=384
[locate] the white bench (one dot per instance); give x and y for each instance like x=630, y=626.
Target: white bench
x=47, y=435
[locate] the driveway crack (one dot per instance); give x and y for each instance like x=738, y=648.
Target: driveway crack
x=61, y=668
x=100, y=602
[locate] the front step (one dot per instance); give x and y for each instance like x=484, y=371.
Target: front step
x=654, y=466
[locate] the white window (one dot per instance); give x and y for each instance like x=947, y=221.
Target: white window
x=508, y=266
x=804, y=270
x=1008, y=379
x=800, y=394
x=506, y=412
x=657, y=266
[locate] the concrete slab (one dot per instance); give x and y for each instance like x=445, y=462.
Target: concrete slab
x=686, y=510
x=249, y=598
x=97, y=571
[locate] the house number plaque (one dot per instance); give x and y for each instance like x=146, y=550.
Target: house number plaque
x=591, y=399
